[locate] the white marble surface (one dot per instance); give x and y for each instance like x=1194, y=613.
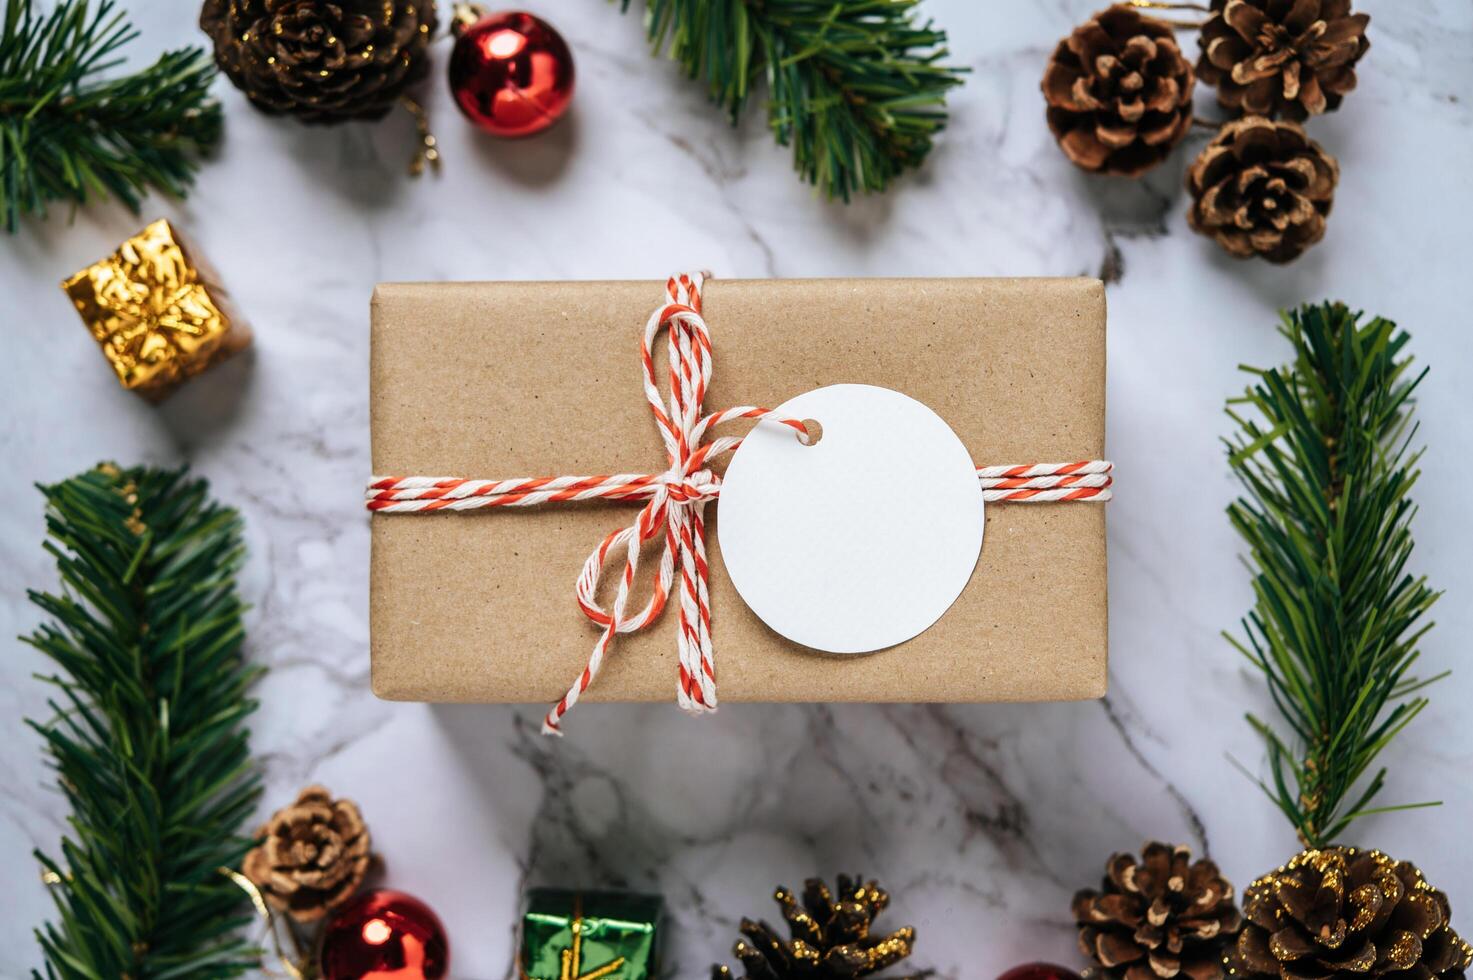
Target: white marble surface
x=981, y=819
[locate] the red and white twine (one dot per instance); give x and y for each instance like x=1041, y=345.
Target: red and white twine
x=675, y=502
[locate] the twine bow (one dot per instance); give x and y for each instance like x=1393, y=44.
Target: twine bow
x=675, y=502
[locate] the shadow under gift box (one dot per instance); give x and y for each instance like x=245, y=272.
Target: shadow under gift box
x=529, y=379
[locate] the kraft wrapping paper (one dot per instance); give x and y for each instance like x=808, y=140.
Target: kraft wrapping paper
x=500, y=380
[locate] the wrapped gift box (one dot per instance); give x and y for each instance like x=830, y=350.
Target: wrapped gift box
x=590, y=934
x=157, y=311
x=501, y=380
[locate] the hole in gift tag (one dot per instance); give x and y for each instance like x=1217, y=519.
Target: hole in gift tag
x=815, y=431
x=863, y=545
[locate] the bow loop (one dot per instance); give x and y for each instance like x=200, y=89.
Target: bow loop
x=626, y=542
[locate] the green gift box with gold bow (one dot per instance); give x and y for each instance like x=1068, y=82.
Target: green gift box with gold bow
x=578, y=935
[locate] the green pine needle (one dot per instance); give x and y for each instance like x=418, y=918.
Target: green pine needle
x=147, y=736
x=855, y=87
x=1323, y=450
x=69, y=134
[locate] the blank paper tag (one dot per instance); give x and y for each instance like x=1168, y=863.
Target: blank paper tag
x=861, y=541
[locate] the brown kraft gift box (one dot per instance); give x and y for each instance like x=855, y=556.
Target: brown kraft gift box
x=501, y=380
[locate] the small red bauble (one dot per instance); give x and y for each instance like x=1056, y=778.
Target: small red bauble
x=1039, y=971
x=384, y=935
x=511, y=73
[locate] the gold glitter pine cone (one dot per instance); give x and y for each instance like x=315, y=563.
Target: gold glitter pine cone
x=1119, y=92
x=1290, y=58
x=1344, y=912
x=1162, y=915
x=312, y=857
x=1262, y=188
x=832, y=936
x=321, y=61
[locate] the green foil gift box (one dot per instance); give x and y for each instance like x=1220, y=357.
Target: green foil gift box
x=578, y=935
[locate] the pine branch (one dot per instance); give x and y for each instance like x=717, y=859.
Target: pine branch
x=1326, y=464
x=68, y=134
x=147, y=736
x=855, y=87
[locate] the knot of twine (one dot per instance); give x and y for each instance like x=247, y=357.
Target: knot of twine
x=675, y=502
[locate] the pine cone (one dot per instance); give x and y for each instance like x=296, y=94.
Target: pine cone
x=1294, y=58
x=1262, y=188
x=1158, y=917
x=1343, y=912
x=1119, y=92
x=313, y=857
x=321, y=61
x=831, y=936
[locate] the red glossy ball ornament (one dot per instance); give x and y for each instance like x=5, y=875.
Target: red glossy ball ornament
x=510, y=72
x=1039, y=971
x=384, y=935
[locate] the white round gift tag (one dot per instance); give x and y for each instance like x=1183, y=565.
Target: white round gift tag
x=862, y=540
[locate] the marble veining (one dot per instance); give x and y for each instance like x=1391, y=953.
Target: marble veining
x=982, y=819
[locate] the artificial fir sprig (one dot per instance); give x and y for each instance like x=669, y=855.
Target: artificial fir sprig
x=856, y=88
x=147, y=737
x=69, y=134
x=1326, y=463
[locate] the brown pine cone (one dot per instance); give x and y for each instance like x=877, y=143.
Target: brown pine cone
x=1157, y=917
x=1262, y=188
x=1119, y=92
x=1344, y=912
x=312, y=857
x=1294, y=58
x=831, y=936
x=321, y=61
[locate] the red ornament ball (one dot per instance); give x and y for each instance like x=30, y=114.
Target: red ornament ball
x=384, y=935
x=1039, y=971
x=511, y=73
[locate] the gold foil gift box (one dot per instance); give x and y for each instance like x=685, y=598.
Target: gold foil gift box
x=158, y=314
